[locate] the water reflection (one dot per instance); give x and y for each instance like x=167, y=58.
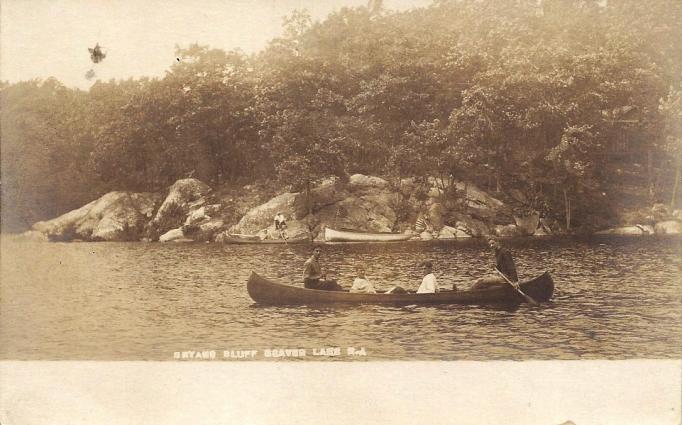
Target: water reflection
x=614, y=299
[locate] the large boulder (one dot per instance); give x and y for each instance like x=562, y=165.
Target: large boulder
x=508, y=230
x=328, y=192
x=31, y=236
x=116, y=216
x=205, y=231
x=64, y=226
x=436, y=212
x=183, y=197
x=622, y=231
x=262, y=216
x=174, y=235
x=371, y=212
x=448, y=232
x=483, y=206
x=469, y=225
x=528, y=224
x=362, y=181
x=197, y=216
x=669, y=227
x=369, y=209
x=204, y=223
x=408, y=186
x=296, y=229
x=325, y=194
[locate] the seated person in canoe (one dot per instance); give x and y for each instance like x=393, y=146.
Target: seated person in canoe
x=281, y=225
x=429, y=283
x=504, y=263
x=361, y=284
x=314, y=278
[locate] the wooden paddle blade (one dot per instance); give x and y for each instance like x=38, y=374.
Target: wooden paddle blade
x=528, y=299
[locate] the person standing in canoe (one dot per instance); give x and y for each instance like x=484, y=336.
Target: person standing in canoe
x=429, y=283
x=361, y=284
x=314, y=278
x=504, y=263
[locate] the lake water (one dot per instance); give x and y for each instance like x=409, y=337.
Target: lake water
x=614, y=299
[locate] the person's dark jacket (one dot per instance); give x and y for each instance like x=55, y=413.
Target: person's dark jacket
x=505, y=264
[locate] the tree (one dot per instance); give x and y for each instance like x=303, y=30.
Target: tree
x=44, y=168
x=671, y=108
x=574, y=166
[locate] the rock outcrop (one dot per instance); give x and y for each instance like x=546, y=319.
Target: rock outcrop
x=175, y=235
x=116, y=216
x=668, y=227
x=370, y=204
x=184, y=197
x=470, y=225
x=528, y=224
x=192, y=211
x=483, y=206
x=624, y=231
x=448, y=232
x=262, y=216
x=509, y=230
x=362, y=181
x=30, y=236
x=364, y=204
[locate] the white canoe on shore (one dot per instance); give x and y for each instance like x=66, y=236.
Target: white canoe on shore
x=331, y=235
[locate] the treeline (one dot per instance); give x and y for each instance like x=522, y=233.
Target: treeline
x=567, y=101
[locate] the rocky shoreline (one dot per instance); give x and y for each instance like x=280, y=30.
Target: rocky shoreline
x=190, y=210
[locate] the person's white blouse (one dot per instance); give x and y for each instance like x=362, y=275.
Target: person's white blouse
x=429, y=285
x=362, y=285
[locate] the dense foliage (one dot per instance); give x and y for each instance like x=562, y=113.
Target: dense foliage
x=568, y=101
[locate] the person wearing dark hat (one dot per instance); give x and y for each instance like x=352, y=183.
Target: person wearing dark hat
x=503, y=259
x=503, y=262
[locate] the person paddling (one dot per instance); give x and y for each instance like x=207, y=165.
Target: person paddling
x=314, y=278
x=504, y=263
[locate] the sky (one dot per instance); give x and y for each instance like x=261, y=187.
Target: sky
x=43, y=38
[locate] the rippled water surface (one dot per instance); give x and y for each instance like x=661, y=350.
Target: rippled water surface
x=614, y=299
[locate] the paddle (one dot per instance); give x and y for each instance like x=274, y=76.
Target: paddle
x=516, y=287
x=281, y=235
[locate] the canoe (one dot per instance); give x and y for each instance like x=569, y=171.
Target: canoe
x=331, y=235
x=265, y=291
x=252, y=239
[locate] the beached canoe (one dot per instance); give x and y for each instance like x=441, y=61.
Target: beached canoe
x=253, y=239
x=331, y=235
x=265, y=291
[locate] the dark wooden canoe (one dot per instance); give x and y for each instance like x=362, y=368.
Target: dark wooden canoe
x=265, y=291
